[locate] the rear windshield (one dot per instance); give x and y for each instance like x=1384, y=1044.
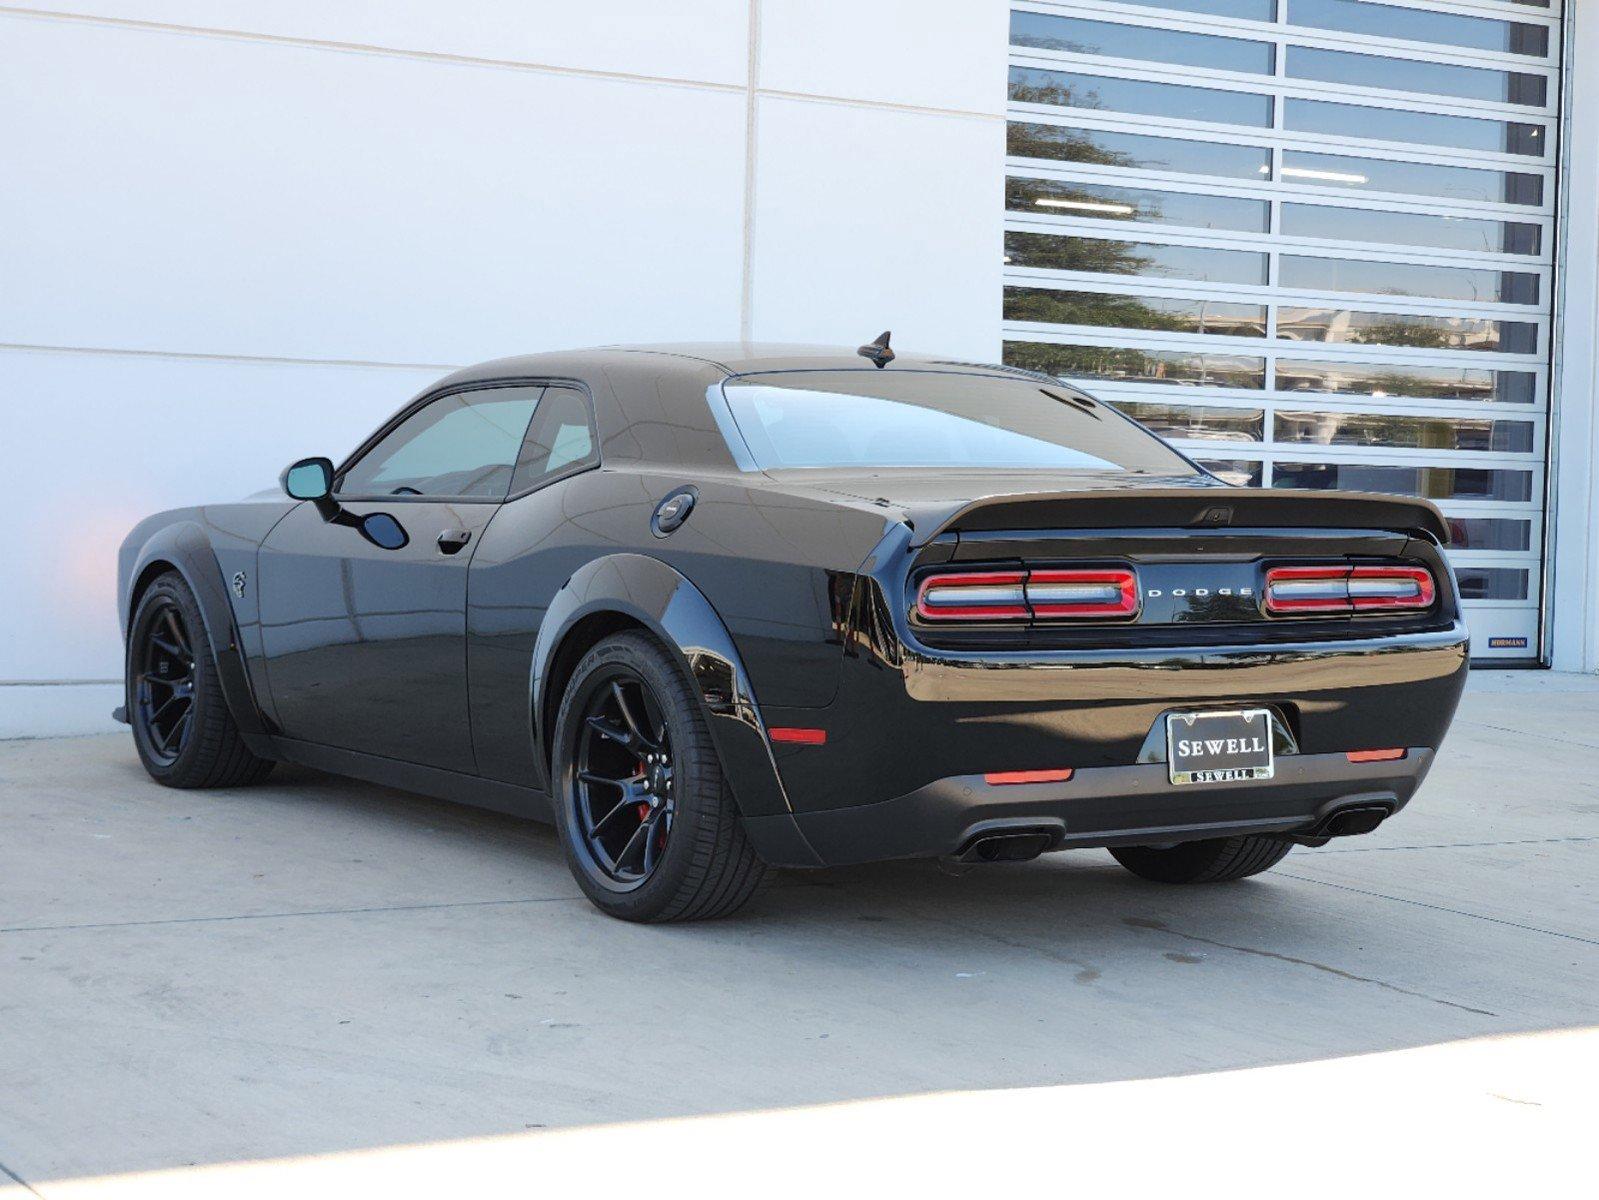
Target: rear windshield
x=935, y=419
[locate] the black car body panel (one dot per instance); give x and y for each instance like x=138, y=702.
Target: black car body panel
x=789, y=596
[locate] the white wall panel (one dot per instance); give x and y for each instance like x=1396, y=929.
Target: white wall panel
x=868, y=219
x=691, y=39
x=202, y=194
x=110, y=439
x=938, y=54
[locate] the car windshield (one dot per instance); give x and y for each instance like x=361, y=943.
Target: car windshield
x=935, y=419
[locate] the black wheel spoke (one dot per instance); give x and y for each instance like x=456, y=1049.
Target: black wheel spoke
x=619, y=792
x=175, y=627
x=167, y=645
x=640, y=737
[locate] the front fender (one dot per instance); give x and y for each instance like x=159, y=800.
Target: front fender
x=188, y=549
x=678, y=614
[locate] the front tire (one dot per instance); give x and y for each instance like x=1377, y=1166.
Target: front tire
x=1216, y=860
x=182, y=728
x=645, y=815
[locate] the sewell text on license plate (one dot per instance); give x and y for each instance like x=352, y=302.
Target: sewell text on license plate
x=1219, y=747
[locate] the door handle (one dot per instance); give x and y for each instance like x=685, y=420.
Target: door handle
x=451, y=540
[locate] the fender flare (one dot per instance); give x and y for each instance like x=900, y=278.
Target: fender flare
x=187, y=548
x=680, y=616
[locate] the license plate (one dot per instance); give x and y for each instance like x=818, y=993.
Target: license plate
x=1219, y=747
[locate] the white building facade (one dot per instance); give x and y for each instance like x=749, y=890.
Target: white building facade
x=1317, y=243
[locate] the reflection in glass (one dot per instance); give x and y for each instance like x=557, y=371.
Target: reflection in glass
x=1422, y=179
x=1483, y=285
x=1102, y=202
x=1030, y=139
x=1133, y=258
x=1152, y=366
x=1077, y=35
x=1410, y=229
x=1248, y=10
x=1135, y=312
x=1420, y=383
x=1399, y=125
x=1489, y=533
x=1403, y=433
x=1415, y=75
x=1073, y=89
x=1491, y=583
x=1195, y=424
x=1421, y=25
x=1344, y=325
x=1432, y=483
x=1239, y=472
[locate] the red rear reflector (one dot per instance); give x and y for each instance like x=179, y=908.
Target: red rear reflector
x=1375, y=755
x=1095, y=593
x=796, y=736
x=999, y=777
x=1293, y=591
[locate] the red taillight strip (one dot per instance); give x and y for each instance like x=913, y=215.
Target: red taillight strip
x=1111, y=593
x=1019, y=595
x=1004, y=777
x=973, y=596
x=1307, y=589
x=1358, y=756
x=795, y=736
x=1291, y=591
x=1384, y=587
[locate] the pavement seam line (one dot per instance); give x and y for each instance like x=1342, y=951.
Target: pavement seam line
x=1344, y=887
x=274, y=916
x=1466, y=845
x=20, y=1181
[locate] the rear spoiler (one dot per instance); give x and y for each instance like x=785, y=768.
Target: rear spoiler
x=1188, y=508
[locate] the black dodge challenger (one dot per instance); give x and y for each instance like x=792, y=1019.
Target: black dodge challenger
x=718, y=608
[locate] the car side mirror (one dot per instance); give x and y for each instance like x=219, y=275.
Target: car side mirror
x=308, y=479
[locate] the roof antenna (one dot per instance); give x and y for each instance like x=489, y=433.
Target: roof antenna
x=878, y=351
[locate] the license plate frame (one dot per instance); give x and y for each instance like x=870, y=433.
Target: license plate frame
x=1251, y=762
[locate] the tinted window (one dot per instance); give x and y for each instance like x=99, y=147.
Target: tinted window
x=1400, y=125
x=1479, y=284
x=1103, y=202
x=560, y=438
x=1076, y=35
x=1139, y=366
x=1385, y=379
x=460, y=445
x=935, y=419
x=1077, y=90
x=1421, y=25
x=1033, y=139
x=1422, y=179
x=1109, y=257
x=1410, y=229
x=1060, y=307
x=1413, y=75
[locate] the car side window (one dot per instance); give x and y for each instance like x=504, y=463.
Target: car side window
x=464, y=444
x=560, y=438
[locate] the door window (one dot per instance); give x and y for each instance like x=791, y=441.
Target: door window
x=464, y=444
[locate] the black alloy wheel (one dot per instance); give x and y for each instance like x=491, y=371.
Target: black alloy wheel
x=623, y=793
x=164, y=683
x=182, y=727
x=647, y=820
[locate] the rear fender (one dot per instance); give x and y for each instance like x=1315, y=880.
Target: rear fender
x=679, y=615
x=188, y=550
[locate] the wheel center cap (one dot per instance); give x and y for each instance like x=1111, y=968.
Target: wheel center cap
x=656, y=778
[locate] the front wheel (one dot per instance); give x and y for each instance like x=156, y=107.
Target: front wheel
x=646, y=818
x=1216, y=860
x=182, y=728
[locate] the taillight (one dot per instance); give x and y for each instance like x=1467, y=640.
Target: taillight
x=1091, y=594
x=1309, y=591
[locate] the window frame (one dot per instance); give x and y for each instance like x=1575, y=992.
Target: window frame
x=443, y=393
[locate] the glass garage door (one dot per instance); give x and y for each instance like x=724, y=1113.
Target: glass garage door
x=1309, y=241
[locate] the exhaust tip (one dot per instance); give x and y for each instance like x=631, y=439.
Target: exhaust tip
x=1007, y=847
x=1347, y=822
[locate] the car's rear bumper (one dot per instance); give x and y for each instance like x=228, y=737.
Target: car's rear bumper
x=1105, y=806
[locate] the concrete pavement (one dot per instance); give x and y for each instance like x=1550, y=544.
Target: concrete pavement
x=317, y=986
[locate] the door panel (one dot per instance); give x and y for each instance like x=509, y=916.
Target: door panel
x=365, y=647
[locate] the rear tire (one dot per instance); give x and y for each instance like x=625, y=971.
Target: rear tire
x=1216, y=860
x=185, y=735
x=646, y=818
